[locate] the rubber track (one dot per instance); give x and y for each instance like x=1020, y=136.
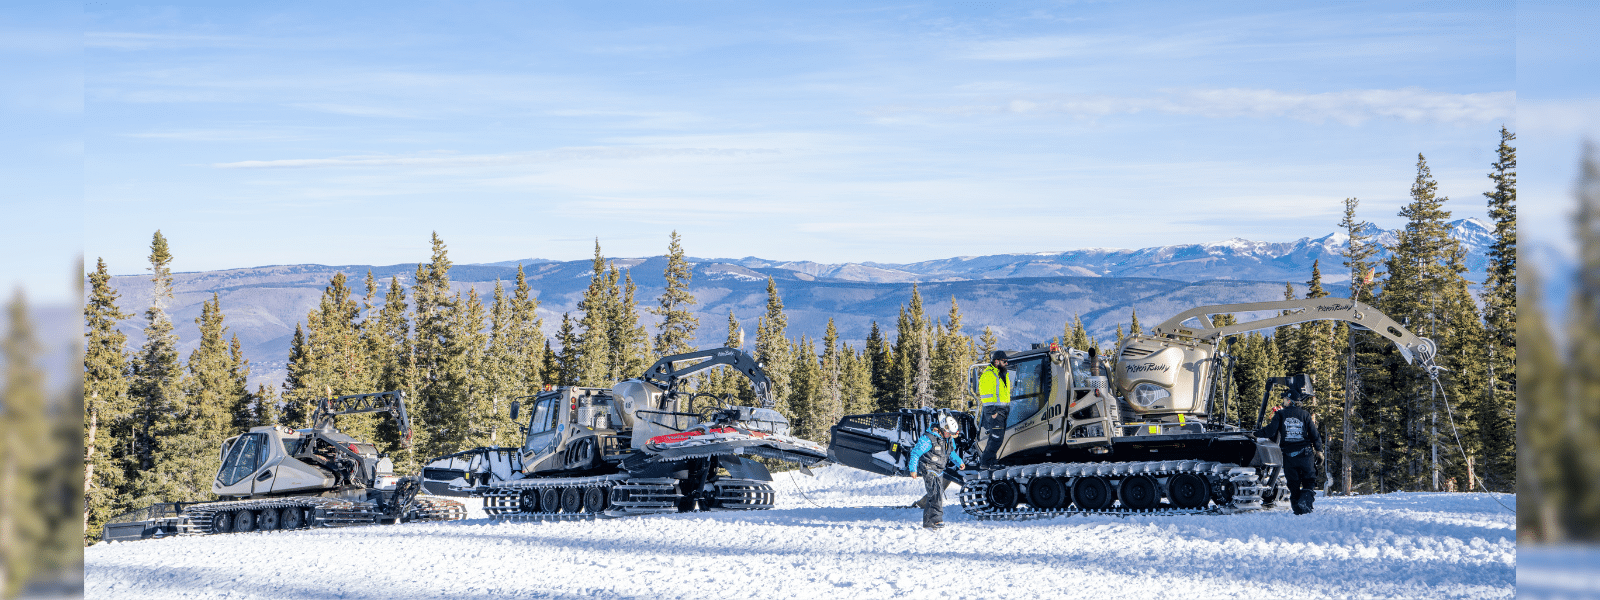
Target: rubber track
x=503, y=500
x=1247, y=491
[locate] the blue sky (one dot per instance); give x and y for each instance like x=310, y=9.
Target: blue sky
x=256, y=134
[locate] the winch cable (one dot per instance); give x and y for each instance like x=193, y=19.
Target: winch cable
x=796, y=483
x=1433, y=373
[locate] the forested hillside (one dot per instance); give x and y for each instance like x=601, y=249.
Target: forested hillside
x=158, y=407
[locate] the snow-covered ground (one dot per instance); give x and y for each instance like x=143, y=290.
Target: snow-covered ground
x=1562, y=572
x=840, y=535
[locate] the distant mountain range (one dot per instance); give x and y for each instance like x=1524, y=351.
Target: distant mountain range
x=1024, y=297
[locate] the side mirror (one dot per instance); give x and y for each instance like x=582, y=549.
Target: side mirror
x=516, y=407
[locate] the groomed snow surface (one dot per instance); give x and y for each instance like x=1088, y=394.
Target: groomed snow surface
x=840, y=535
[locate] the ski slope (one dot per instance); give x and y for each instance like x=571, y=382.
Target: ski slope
x=840, y=535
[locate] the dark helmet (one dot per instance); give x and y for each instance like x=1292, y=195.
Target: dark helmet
x=998, y=355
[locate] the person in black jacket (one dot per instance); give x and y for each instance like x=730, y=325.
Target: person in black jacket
x=1295, y=431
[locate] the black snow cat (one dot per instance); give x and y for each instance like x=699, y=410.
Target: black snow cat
x=641, y=446
x=1144, y=433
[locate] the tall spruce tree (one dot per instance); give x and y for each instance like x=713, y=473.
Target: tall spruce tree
x=773, y=347
x=26, y=450
x=1422, y=289
x=188, y=458
x=1359, y=249
x=878, y=367
x=630, y=340
x=156, y=371
x=951, y=359
x=830, y=403
x=106, y=404
x=466, y=412
x=433, y=348
x=1576, y=481
x=594, y=352
x=568, y=364
x=527, y=333
x=502, y=368
x=1497, y=419
x=677, y=322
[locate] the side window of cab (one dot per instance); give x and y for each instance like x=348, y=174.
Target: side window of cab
x=244, y=457
x=1030, y=388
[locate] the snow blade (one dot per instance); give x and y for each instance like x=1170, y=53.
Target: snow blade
x=460, y=473
x=881, y=442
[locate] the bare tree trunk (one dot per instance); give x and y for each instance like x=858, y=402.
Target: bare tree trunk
x=88, y=466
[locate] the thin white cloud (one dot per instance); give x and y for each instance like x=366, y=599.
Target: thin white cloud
x=1578, y=115
x=145, y=41
x=562, y=154
x=1351, y=107
x=355, y=110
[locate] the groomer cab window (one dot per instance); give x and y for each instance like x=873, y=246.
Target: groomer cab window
x=544, y=412
x=1030, y=387
x=245, y=455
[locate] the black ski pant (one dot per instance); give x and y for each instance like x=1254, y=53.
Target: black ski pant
x=933, y=501
x=992, y=420
x=1302, y=475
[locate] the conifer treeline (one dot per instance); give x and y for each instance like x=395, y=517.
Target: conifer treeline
x=1559, y=491
x=41, y=492
x=461, y=361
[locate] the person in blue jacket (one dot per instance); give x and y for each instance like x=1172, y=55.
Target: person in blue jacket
x=928, y=459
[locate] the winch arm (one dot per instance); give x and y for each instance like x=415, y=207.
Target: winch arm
x=1361, y=315
x=670, y=370
x=393, y=403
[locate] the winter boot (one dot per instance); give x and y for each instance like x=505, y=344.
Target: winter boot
x=1307, y=498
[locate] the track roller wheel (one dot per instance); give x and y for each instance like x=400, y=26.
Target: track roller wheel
x=1046, y=493
x=1003, y=494
x=571, y=500
x=1091, y=493
x=1138, y=493
x=221, y=522
x=550, y=500
x=528, y=502
x=244, y=521
x=1187, y=490
x=269, y=519
x=594, y=500
x=292, y=518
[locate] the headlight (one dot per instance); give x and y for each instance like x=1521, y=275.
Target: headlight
x=1147, y=394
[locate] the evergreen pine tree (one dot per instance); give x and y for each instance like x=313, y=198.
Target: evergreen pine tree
x=1423, y=273
x=1497, y=419
x=677, y=322
x=188, y=459
x=527, y=335
x=631, y=342
x=466, y=410
x=434, y=326
x=831, y=401
x=951, y=359
x=804, y=389
x=157, y=375
x=502, y=368
x=1358, y=251
x=1134, y=329
x=594, y=351
x=1575, y=484
x=773, y=348
x=106, y=404
x=569, y=368
x=991, y=342
x=26, y=450
x=299, y=383
x=878, y=367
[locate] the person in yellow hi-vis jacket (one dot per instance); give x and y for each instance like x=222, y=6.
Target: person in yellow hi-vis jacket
x=994, y=401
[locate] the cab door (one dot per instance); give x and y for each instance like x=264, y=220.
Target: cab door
x=1031, y=386
x=542, y=432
